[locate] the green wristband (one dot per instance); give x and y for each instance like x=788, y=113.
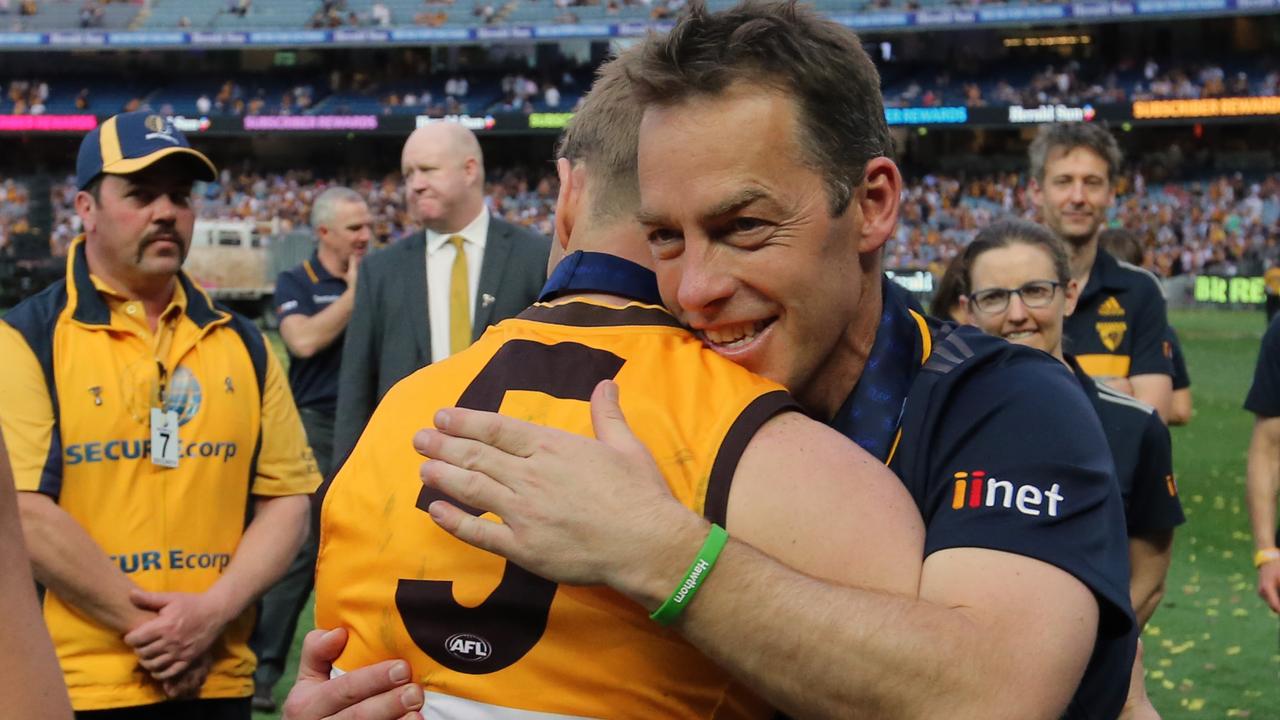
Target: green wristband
x=670, y=610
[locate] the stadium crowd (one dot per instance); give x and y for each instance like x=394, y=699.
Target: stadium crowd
x=498, y=90
x=1225, y=225
x=1072, y=83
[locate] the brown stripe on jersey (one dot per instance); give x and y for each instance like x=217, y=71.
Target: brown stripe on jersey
x=587, y=315
x=716, y=505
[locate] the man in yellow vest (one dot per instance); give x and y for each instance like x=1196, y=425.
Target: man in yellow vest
x=161, y=466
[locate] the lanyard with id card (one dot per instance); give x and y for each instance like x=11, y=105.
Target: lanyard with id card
x=164, y=429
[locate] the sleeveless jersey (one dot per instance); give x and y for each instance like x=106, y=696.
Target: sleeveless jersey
x=485, y=637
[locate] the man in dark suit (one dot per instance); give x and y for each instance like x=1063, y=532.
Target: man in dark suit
x=432, y=294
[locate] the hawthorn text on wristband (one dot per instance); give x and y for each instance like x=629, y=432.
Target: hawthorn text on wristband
x=670, y=610
x=1262, y=557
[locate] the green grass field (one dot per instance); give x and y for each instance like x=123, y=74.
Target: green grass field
x=1213, y=648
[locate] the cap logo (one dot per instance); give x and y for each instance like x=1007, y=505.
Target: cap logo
x=159, y=128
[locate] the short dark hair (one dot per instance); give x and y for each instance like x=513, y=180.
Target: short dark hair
x=1004, y=233
x=1122, y=244
x=1069, y=136
x=791, y=49
x=950, y=287
x=604, y=135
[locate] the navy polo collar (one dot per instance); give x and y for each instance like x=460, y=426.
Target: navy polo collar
x=593, y=272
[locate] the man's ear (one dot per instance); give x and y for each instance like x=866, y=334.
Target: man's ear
x=1035, y=193
x=86, y=208
x=878, y=198
x=566, y=203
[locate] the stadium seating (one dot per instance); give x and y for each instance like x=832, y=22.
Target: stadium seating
x=54, y=16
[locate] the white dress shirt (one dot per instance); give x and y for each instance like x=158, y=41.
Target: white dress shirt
x=440, y=255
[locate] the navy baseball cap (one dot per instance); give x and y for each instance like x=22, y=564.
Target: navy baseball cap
x=130, y=142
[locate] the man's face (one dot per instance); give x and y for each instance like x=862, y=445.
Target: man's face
x=140, y=226
x=436, y=181
x=746, y=252
x=1075, y=193
x=348, y=234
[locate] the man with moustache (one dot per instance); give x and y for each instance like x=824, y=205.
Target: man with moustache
x=313, y=304
x=431, y=295
x=1118, y=330
x=144, y=425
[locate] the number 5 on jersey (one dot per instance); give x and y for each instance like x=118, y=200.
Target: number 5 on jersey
x=501, y=630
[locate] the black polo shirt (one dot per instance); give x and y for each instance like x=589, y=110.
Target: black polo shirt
x=1181, y=378
x=306, y=290
x=945, y=404
x=1001, y=450
x=1142, y=453
x=1118, y=327
x=1264, y=395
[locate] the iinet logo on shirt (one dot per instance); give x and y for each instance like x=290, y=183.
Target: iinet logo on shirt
x=976, y=489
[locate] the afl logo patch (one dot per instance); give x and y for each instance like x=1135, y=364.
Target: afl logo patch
x=471, y=648
x=154, y=123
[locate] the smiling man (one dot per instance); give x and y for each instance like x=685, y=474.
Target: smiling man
x=145, y=424
x=768, y=194
x=488, y=639
x=1117, y=332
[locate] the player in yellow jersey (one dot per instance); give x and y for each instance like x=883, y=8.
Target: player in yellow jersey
x=486, y=638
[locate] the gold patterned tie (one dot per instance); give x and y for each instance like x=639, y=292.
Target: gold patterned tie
x=459, y=299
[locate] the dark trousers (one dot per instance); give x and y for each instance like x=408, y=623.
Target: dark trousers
x=219, y=709
x=281, y=605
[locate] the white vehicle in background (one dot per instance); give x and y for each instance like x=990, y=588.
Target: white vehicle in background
x=237, y=261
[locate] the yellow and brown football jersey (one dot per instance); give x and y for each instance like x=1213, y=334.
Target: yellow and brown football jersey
x=485, y=637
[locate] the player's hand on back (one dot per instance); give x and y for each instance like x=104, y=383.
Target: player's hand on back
x=377, y=692
x=561, y=496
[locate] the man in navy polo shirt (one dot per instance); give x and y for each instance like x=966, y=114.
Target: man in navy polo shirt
x=313, y=302
x=1118, y=330
x=769, y=245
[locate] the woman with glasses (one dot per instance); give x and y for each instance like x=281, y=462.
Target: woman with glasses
x=1017, y=284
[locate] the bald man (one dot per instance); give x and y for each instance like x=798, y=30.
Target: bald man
x=432, y=294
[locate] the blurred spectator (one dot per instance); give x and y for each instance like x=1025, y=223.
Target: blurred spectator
x=380, y=14
x=551, y=97
x=203, y=104
x=82, y=99
x=28, y=8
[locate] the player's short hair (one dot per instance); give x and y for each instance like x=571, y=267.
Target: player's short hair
x=604, y=135
x=1004, y=233
x=790, y=49
x=1122, y=244
x=1069, y=136
x=326, y=205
